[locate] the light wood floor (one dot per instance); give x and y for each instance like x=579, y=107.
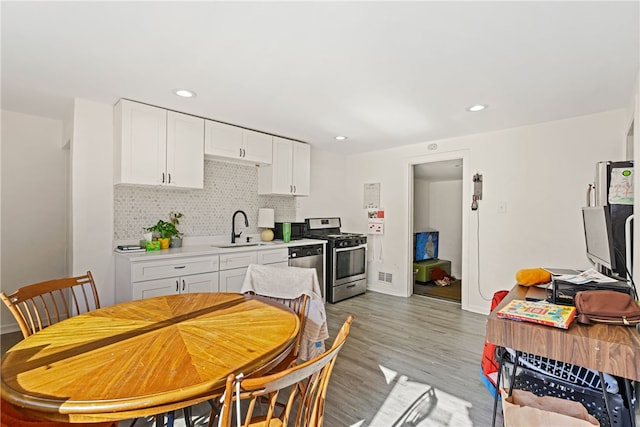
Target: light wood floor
x=407, y=362
x=427, y=343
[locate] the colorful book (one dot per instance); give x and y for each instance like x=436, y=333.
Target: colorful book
x=544, y=313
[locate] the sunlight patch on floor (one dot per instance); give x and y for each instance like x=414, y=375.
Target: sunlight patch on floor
x=389, y=374
x=412, y=403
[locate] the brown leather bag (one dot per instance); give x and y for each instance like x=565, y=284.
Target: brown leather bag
x=605, y=306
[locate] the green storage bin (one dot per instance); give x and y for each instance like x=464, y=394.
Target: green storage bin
x=424, y=268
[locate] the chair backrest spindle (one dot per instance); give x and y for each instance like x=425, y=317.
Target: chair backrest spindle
x=42, y=304
x=306, y=382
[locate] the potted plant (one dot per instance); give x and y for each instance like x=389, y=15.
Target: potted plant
x=176, y=238
x=163, y=231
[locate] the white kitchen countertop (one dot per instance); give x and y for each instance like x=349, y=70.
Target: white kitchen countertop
x=212, y=249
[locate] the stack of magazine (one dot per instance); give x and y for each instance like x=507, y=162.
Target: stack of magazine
x=130, y=249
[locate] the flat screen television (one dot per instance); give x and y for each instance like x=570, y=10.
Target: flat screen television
x=598, y=236
x=425, y=245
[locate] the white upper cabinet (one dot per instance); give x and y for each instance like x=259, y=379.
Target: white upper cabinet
x=290, y=171
x=154, y=146
x=185, y=150
x=232, y=142
x=257, y=146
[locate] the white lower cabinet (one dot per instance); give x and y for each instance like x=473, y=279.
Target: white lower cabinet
x=233, y=267
x=205, y=282
x=232, y=280
x=137, y=278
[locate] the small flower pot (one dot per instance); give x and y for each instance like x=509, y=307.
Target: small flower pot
x=164, y=242
x=176, y=242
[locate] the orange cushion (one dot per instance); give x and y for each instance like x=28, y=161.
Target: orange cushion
x=532, y=276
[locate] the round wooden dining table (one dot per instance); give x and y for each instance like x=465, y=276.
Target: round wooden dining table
x=145, y=357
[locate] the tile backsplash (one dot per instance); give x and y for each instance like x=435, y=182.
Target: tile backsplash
x=207, y=212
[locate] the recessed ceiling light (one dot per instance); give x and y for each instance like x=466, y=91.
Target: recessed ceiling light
x=476, y=108
x=341, y=138
x=185, y=93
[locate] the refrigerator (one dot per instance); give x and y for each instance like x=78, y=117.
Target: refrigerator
x=613, y=188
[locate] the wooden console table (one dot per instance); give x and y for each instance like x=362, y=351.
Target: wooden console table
x=611, y=349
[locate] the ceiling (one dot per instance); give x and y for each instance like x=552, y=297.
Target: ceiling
x=382, y=73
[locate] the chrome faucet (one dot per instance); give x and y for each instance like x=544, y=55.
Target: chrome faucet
x=233, y=225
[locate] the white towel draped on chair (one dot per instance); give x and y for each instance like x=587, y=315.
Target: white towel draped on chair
x=289, y=283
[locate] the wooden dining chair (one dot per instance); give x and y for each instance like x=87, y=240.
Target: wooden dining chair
x=299, y=306
x=304, y=386
x=42, y=304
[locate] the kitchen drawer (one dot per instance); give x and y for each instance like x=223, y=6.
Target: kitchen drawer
x=273, y=256
x=174, y=267
x=237, y=260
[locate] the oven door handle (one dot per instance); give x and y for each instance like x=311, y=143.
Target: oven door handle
x=351, y=248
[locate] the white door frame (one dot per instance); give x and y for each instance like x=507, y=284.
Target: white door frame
x=466, y=197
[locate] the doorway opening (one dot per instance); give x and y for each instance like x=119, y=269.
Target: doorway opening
x=437, y=229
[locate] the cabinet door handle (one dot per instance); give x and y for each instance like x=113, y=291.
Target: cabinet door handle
x=177, y=286
x=177, y=267
x=163, y=177
x=183, y=284
x=295, y=190
x=240, y=152
x=169, y=175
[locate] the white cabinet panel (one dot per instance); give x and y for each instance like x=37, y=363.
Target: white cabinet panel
x=232, y=142
x=290, y=171
x=232, y=280
x=141, y=143
x=301, y=173
x=257, y=146
x=137, y=279
x=174, y=267
x=154, y=146
x=155, y=288
x=222, y=140
x=237, y=260
x=273, y=256
x=185, y=150
x=280, y=264
x=206, y=282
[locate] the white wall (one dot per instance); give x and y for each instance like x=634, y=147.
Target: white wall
x=34, y=203
x=422, y=201
x=92, y=195
x=445, y=213
x=540, y=172
x=438, y=205
x=328, y=197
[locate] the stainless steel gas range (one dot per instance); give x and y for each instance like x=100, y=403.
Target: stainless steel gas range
x=346, y=273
